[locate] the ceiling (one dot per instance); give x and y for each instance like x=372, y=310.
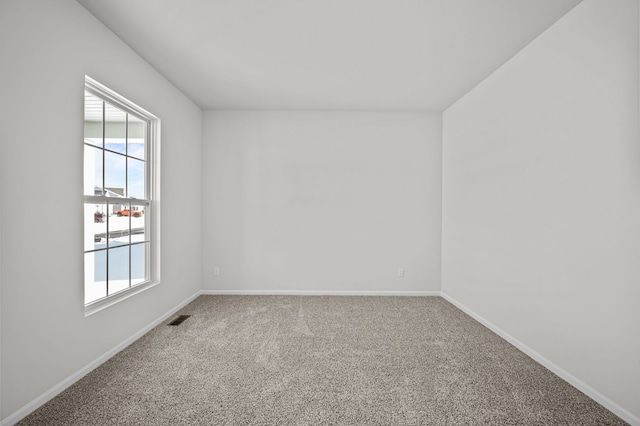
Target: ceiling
x=386, y=55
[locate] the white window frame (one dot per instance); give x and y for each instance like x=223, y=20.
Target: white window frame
x=151, y=204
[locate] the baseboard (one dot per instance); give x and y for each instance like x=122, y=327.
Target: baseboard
x=23, y=412
x=318, y=293
x=560, y=372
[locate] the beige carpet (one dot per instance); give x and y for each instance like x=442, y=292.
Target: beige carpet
x=308, y=360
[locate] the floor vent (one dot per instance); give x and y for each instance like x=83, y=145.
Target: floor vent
x=179, y=320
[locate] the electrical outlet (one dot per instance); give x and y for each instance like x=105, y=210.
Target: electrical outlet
x=400, y=272
x=216, y=271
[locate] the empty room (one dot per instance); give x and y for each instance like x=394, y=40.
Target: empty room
x=301, y=212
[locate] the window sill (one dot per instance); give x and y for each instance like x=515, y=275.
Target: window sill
x=101, y=304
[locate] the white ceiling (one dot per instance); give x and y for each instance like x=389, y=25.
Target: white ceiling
x=327, y=54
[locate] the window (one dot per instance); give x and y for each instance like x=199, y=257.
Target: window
x=121, y=254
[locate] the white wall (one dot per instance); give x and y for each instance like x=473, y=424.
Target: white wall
x=541, y=198
x=47, y=48
x=321, y=201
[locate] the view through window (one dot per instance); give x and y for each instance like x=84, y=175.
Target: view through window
x=117, y=195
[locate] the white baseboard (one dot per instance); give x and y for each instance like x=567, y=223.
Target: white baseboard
x=23, y=412
x=560, y=372
x=317, y=293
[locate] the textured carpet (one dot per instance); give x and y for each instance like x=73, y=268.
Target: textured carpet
x=307, y=360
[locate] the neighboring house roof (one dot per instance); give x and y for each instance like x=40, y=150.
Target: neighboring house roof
x=118, y=191
x=109, y=192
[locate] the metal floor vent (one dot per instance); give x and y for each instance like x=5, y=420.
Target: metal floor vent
x=179, y=320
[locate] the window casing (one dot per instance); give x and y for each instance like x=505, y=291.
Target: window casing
x=121, y=207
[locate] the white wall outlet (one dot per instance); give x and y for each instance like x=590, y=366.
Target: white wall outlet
x=216, y=271
x=401, y=272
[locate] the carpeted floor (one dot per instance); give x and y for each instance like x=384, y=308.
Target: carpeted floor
x=310, y=360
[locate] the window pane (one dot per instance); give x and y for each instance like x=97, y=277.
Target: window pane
x=95, y=226
x=136, y=179
x=138, y=224
x=95, y=276
x=115, y=177
x=118, y=225
x=118, y=269
x=92, y=119
x=115, y=129
x=92, y=170
x=135, y=137
x=139, y=263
